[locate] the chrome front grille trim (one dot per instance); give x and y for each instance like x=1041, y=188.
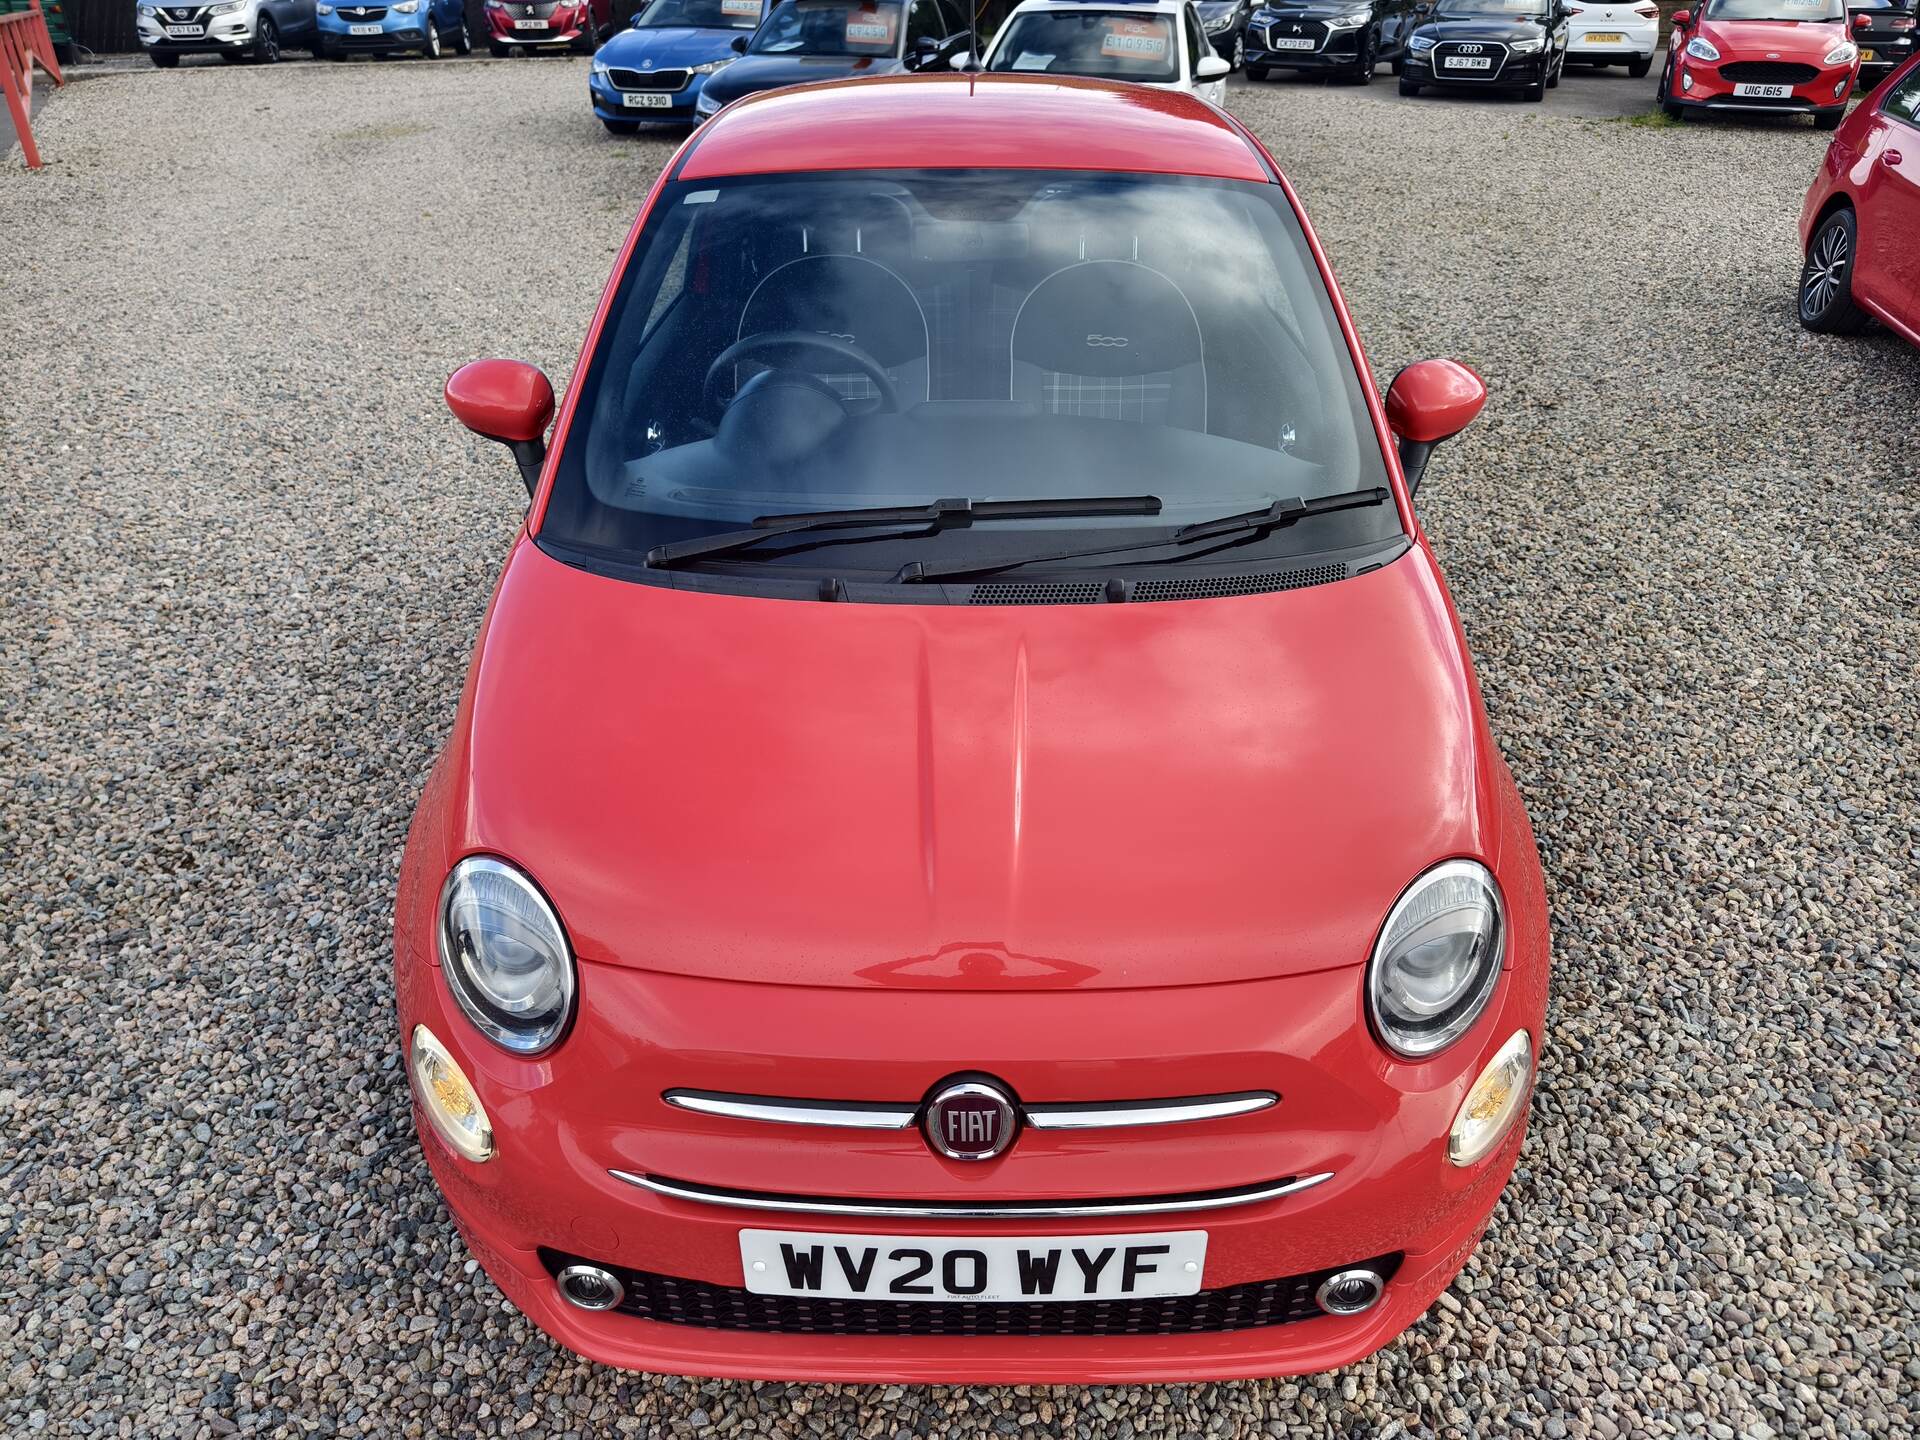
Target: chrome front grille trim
x=971, y=1210
x=866, y=1115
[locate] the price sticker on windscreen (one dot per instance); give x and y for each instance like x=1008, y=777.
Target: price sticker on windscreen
x=1135, y=40
x=871, y=29
x=740, y=7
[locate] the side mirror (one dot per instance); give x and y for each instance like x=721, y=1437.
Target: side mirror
x=739, y=45
x=1423, y=9
x=1211, y=67
x=925, y=51
x=508, y=401
x=1428, y=402
x=1682, y=19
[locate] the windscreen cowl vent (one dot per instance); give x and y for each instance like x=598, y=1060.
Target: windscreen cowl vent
x=1210, y=587
x=1045, y=592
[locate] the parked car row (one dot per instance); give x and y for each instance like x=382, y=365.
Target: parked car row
x=258, y=30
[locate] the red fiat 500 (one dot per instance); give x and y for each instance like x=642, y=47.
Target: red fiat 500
x=1789, y=57
x=1861, y=218
x=970, y=849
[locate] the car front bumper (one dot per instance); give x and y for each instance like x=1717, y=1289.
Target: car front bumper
x=1335, y=49
x=1701, y=87
x=567, y=29
x=1515, y=71
x=231, y=33
x=397, y=33
x=565, y=1121
x=608, y=103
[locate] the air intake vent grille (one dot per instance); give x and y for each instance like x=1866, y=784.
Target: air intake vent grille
x=1207, y=588
x=673, y=1301
x=1060, y=592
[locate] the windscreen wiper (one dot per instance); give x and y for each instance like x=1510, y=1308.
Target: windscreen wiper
x=1247, y=522
x=926, y=520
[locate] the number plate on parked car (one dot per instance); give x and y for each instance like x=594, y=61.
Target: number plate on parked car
x=647, y=102
x=1867, y=57
x=1289, y=42
x=985, y=1268
x=529, y=24
x=363, y=29
x=1764, y=92
x=1605, y=37
x=1469, y=62
x=186, y=30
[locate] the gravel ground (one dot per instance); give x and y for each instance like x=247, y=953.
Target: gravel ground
x=248, y=550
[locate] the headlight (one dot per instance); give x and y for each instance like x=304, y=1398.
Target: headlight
x=1222, y=21
x=598, y=66
x=706, y=104
x=505, y=956
x=228, y=8
x=1350, y=21
x=1845, y=53
x=1524, y=47
x=1421, y=43
x=1700, y=48
x=1494, y=1101
x=406, y=7
x=711, y=66
x=323, y=9
x=1437, y=959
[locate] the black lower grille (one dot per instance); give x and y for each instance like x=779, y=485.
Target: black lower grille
x=648, y=79
x=675, y=1301
x=1768, y=72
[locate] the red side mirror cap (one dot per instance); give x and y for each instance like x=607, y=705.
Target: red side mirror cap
x=1434, y=400
x=1681, y=19
x=504, y=400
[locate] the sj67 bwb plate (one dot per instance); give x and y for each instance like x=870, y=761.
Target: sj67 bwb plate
x=946, y=1268
x=1468, y=62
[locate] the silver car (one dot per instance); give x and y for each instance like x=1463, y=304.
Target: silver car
x=232, y=29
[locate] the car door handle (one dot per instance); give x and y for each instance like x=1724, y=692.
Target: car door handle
x=1892, y=157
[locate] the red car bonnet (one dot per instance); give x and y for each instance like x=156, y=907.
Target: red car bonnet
x=971, y=797
x=1808, y=41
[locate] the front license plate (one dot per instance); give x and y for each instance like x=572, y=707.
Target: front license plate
x=529, y=24
x=1469, y=62
x=1867, y=57
x=1601, y=37
x=1289, y=42
x=644, y=101
x=1763, y=92
x=995, y=1268
x=363, y=29
x=186, y=31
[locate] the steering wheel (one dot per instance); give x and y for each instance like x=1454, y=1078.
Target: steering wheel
x=769, y=345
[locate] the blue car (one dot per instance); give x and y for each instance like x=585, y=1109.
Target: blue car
x=426, y=27
x=654, y=69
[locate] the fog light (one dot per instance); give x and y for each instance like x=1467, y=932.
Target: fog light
x=1686, y=81
x=1494, y=1102
x=1839, y=89
x=590, y=1288
x=1349, y=1292
x=447, y=1096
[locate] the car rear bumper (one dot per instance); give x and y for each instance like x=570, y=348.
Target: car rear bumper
x=1640, y=40
x=564, y=1123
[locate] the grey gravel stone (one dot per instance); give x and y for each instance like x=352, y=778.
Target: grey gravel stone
x=247, y=551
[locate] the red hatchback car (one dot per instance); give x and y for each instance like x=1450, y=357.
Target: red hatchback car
x=1788, y=57
x=1861, y=218
x=970, y=849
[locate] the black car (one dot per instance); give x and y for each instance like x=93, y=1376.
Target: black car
x=1225, y=23
x=1488, y=45
x=1886, y=31
x=802, y=40
x=1328, y=37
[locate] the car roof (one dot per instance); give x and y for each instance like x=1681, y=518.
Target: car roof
x=972, y=121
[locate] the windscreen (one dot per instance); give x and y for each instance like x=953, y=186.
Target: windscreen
x=700, y=15
x=1775, y=10
x=1107, y=44
x=787, y=344
x=831, y=27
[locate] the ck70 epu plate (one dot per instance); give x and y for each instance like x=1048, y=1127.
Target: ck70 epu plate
x=979, y=1268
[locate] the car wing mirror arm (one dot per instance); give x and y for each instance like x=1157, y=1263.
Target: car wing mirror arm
x=1414, y=455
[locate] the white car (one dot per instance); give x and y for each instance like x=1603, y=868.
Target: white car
x=1160, y=43
x=1614, y=34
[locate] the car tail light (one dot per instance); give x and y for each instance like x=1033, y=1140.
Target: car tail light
x=1899, y=22
x=1861, y=22
x=1647, y=12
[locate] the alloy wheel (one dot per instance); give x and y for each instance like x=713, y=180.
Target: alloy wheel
x=266, y=48
x=433, y=39
x=1826, y=263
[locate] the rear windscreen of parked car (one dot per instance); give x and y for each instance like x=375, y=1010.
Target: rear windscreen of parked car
x=988, y=334
x=830, y=27
x=1104, y=44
